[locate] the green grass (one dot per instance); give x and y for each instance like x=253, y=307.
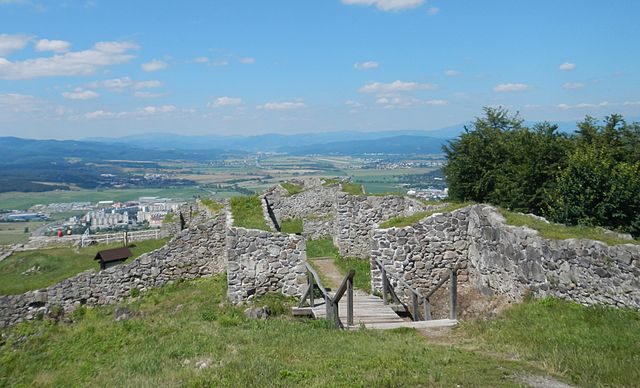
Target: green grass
x=352, y=188
x=292, y=188
x=362, y=280
x=176, y=328
x=561, y=232
x=329, y=182
x=247, y=213
x=291, y=226
x=56, y=264
x=213, y=206
x=591, y=346
x=15, y=200
x=401, y=222
x=13, y=232
x=321, y=248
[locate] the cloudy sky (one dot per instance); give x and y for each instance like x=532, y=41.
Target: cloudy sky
x=75, y=69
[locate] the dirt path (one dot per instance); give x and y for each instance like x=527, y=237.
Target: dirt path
x=328, y=271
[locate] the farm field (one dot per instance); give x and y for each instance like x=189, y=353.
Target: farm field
x=13, y=232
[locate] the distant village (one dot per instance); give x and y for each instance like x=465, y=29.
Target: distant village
x=146, y=212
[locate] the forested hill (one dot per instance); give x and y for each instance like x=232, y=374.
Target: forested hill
x=590, y=177
x=17, y=151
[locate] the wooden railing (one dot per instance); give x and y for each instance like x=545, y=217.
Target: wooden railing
x=331, y=302
x=416, y=296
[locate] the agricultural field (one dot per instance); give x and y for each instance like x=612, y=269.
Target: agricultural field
x=14, y=232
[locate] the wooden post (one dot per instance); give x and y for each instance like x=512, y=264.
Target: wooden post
x=327, y=304
x=453, y=294
x=385, y=285
x=335, y=315
x=350, y=302
x=427, y=310
x=311, y=281
x=414, y=301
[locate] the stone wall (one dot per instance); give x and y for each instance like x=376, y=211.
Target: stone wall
x=506, y=260
x=422, y=253
x=356, y=216
x=512, y=261
x=194, y=252
x=262, y=261
x=316, y=201
x=315, y=228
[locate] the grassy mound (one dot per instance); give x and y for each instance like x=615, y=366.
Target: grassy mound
x=291, y=226
x=591, y=346
x=352, y=188
x=212, y=205
x=187, y=335
x=247, y=213
x=554, y=231
x=51, y=266
x=401, y=221
x=292, y=188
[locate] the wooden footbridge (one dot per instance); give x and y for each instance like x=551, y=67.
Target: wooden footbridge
x=352, y=309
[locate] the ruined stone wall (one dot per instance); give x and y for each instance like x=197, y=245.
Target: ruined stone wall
x=506, y=260
x=422, y=253
x=262, y=261
x=316, y=201
x=511, y=261
x=356, y=216
x=315, y=228
x=194, y=252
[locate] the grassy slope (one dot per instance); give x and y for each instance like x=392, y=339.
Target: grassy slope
x=212, y=205
x=13, y=232
x=247, y=213
x=292, y=188
x=352, y=188
x=560, y=232
x=163, y=348
x=400, y=222
x=56, y=264
x=291, y=226
x=591, y=346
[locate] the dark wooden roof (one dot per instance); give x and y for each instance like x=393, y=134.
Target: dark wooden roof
x=115, y=254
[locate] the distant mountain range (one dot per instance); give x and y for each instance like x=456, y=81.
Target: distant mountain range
x=268, y=142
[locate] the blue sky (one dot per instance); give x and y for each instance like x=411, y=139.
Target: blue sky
x=79, y=69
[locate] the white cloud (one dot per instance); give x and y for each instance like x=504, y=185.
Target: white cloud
x=511, y=87
x=18, y=102
x=76, y=63
x=147, y=84
x=201, y=60
x=567, y=66
x=433, y=11
x=394, y=87
x=366, y=65
x=80, y=94
x=225, y=101
x=154, y=65
x=247, y=60
x=221, y=63
x=387, y=5
x=99, y=114
x=140, y=94
x=288, y=105
x=393, y=102
x=451, y=73
x=151, y=110
x=57, y=46
x=573, y=85
x=631, y=103
x=10, y=43
x=585, y=105
x=120, y=84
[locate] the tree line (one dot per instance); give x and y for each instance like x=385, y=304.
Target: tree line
x=590, y=177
